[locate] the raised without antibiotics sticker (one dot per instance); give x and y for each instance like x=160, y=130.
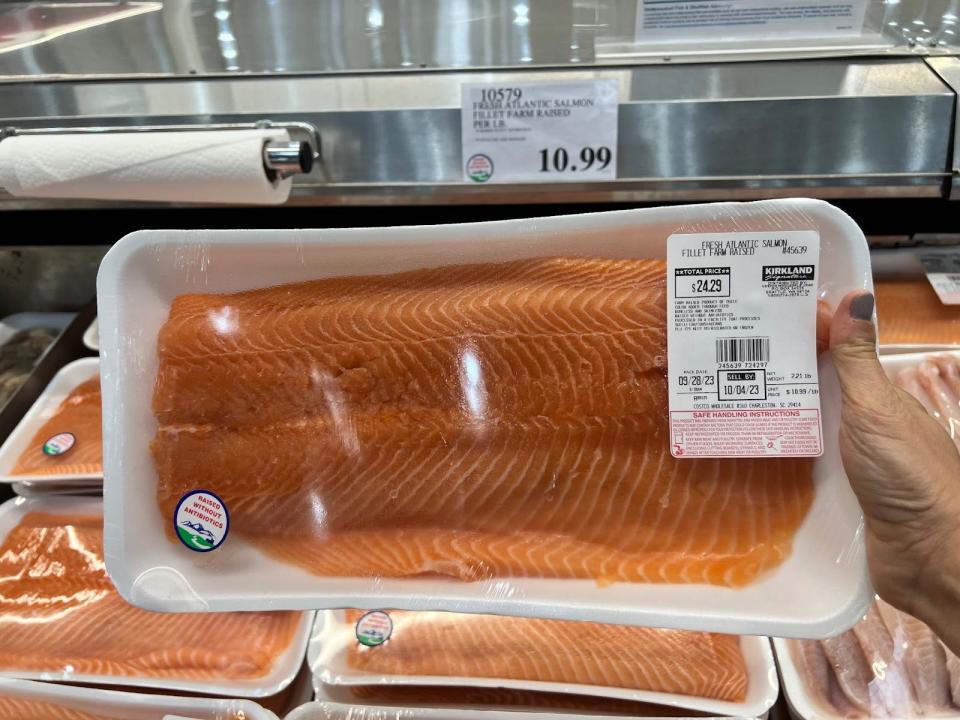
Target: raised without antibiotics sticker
x=201, y=521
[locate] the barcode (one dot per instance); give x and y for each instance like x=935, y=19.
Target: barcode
x=743, y=350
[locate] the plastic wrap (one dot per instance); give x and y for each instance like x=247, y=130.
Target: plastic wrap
x=60, y=438
x=734, y=675
x=888, y=665
x=25, y=700
x=477, y=435
x=910, y=315
x=62, y=619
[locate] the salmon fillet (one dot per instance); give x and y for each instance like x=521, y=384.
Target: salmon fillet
x=508, y=699
x=59, y=609
x=476, y=421
x=704, y=665
x=79, y=414
x=910, y=312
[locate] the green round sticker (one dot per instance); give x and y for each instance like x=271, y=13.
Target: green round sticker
x=374, y=628
x=59, y=444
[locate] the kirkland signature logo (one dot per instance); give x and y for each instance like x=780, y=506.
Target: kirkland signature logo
x=787, y=272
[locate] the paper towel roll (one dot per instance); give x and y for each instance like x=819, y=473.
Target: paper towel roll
x=212, y=166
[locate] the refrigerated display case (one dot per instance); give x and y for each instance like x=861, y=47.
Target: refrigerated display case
x=853, y=102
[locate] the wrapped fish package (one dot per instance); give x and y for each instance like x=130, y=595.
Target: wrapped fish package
x=26, y=700
x=912, y=317
x=465, y=417
x=59, y=441
x=888, y=665
x=393, y=653
x=326, y=710
x=61, y=618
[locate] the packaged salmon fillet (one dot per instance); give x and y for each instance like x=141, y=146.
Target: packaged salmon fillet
x=62, y=619
x=60, y=441
x=888, y=665
x=394, y=650
x=469, y=417
x=27, y=700
x=327, y=710
x=910, y=314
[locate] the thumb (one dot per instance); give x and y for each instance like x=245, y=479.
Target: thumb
x=853, y=345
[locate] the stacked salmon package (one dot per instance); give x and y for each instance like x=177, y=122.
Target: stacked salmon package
x=58, y=445
x=469, y=418
x=400, y=659
x=912, y=315
x=61, y=618
x=26, y=700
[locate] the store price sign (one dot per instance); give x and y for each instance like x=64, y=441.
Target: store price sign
x=540, y=132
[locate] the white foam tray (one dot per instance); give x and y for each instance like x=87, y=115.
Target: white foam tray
x=91, y=336
x=282, y=674
x=145, y=271
x=62, y=384
x=128, y=705
x=324, y=710
x=333, y=637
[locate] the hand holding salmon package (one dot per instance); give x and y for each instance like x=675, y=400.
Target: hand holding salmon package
x=469, y=417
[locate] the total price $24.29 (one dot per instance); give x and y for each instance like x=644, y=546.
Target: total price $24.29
x=559, y=160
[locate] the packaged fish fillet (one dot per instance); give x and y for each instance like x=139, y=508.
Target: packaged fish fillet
x=62, y=619
x=934, y=380
x=695, y=671
x=59, y=440
x=471, y=418
x=343, y=711
x=27, y=700
x=452, y=697
x=911, y=316
x=888, y=665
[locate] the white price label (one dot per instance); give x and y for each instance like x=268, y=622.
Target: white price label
x=540, y=132
x=942, y=266
x=741, y=343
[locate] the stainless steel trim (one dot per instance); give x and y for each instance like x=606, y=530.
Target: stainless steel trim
x=834, y=128
x=183, y=38
x=949, y=71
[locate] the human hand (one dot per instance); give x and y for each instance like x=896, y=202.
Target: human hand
x=905, y=471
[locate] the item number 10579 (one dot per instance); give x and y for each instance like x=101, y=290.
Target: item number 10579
x=559, y=160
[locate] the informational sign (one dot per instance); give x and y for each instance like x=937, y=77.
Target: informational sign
x=943, y=271
x=741, y=344
x=540, y=132
x=680, y=20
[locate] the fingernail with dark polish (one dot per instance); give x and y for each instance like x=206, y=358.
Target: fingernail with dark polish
x=861, y=307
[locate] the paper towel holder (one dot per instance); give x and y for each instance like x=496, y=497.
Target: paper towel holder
x=281, y=159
